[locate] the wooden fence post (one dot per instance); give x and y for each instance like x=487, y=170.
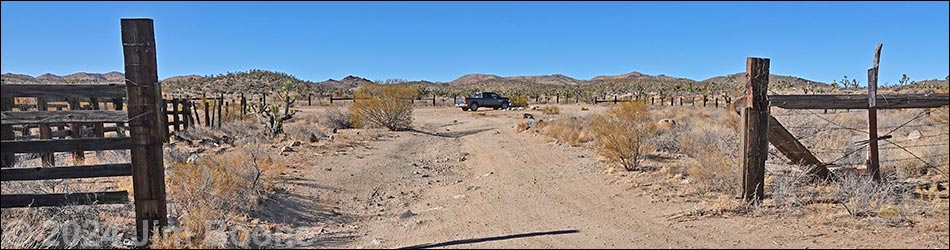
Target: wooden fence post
x=243, y=106
x=176, y=112
x=220, y=106
x=207, y=112
x=755, y=126
x=873, y=157
x=98, y=128
x=75, y=130
x=186, y=114
x=311, y=104
x=144, y=95
x=120, y=127
x=6, y=131
x=49, y=159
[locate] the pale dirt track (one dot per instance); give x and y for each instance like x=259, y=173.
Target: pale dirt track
x=508, y=184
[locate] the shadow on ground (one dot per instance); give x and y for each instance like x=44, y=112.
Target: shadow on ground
x=487, y=239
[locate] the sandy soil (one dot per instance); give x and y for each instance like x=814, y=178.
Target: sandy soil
x=471, y=181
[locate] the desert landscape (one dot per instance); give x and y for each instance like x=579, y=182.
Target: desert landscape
x=266, y=159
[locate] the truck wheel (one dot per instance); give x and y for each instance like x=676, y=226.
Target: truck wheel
x=464, y=109
x=504, y=105
x=473, y=107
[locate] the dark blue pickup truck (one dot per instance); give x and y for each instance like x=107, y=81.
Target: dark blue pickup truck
x=483, y=99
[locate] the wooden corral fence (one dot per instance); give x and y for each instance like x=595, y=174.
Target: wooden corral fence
x=141, y=94
x=691, y=100
x=760, y=128
x=189, y=112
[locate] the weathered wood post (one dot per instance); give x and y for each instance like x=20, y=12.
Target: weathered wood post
x=120, y=127
x=220, y=106
x=207, y=112
x=186, y=115
x=653, y=100
x=75, y=130
x=6, y=131
x=755, y=126
x=243, y=106
x=176, y=112
x=873, y=158
x=49, y=159
x=705, y=100
x=311, y=104
x=98, y=128
x=557, y=98
x=144, y=93
x=672, y=101
x=615, y=99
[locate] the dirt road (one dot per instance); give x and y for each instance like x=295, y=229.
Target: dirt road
x=471, y=181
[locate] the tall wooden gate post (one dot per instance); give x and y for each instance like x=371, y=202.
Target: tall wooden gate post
x=873, y=164
x=755, y=127
x=145, y=96
x=7, y=159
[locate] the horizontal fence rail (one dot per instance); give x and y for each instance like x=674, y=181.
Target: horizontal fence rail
x=57, y=200
x=73, y=172
x=66, y=145
x=63, y=90
x=896, y=101
x=71, y=116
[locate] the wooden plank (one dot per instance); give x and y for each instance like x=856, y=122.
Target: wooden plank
x=70, y=116
x=56, y=200
x=54, y=91
x=66, y=145
x=755, y=130
x=72, y=172
x=798, y=154
x=145, y=96
x=891, y=101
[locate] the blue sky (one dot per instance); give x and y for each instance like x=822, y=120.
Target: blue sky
x=439, y=41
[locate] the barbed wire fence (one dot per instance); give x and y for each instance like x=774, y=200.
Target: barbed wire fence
x=914, y=141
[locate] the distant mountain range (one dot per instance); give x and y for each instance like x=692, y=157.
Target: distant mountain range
x=260, y=78
x=74, y=77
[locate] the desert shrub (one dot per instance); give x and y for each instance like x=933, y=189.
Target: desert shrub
x=219, y=187
x=305, y=132
x=241, y=128
x=863, y=197
x=622, y=134
x=715, y=149
x=335, y=118
x=388, y=106
x=550, y=110
x=573, y=131
x=519, y=101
